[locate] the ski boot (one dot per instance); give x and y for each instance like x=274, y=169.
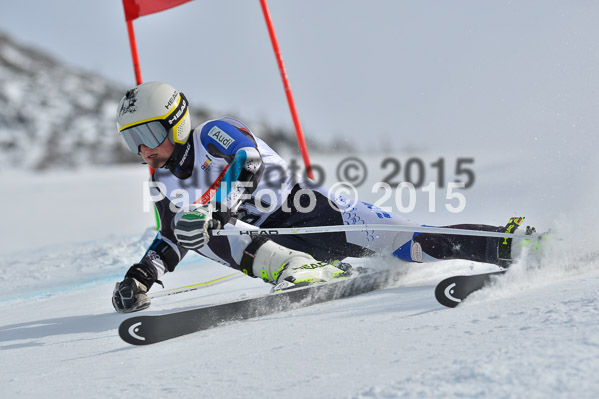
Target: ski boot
x=510, y=250
x=286, y=268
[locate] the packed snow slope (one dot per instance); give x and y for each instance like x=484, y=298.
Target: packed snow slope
x=68, y=237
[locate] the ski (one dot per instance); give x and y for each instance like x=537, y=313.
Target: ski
x=150, y=329
x=453, y=290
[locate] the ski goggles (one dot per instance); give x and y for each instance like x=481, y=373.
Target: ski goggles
x=153, y=132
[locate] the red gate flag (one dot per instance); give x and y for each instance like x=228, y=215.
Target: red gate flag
x=139, y=8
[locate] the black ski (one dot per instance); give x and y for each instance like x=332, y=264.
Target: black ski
x=149, y=329
x=453, y=290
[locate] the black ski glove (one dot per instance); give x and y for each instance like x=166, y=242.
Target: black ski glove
x=130, y=296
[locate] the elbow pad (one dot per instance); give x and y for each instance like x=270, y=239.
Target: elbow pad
x=241, y=178
x=249, y=162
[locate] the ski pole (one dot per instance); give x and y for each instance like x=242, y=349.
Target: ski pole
x=194, y=287
x=364, y=227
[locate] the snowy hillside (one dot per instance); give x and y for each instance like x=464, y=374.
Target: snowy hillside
x=533, y=335
x=51, y=115
x=55, y=116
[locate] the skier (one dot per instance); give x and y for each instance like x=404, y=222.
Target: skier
x=220, y=176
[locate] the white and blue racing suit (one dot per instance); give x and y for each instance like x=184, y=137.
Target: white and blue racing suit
x=224, y=162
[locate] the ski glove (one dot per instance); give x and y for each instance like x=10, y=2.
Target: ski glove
x=192, y=228
x=130, y=296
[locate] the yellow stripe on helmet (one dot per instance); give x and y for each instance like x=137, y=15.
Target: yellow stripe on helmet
x=176, y=126
x=161, y=117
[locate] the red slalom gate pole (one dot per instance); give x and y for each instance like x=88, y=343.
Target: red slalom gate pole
x=135, y=58
x=138, y=80
x=134, y=55
x=298, y=128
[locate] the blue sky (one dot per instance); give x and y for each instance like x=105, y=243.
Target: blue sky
x=386, y=74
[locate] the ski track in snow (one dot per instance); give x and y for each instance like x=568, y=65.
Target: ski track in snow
x=534, y=333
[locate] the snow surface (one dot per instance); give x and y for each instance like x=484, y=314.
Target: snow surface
x=68, y=237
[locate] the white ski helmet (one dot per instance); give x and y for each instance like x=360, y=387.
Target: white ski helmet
x=151, y=112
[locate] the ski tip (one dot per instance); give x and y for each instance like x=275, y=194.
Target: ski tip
x=133, y=332
x=444, y=293
x=453, y=290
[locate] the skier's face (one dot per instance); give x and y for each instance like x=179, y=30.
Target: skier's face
x=157, y=157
